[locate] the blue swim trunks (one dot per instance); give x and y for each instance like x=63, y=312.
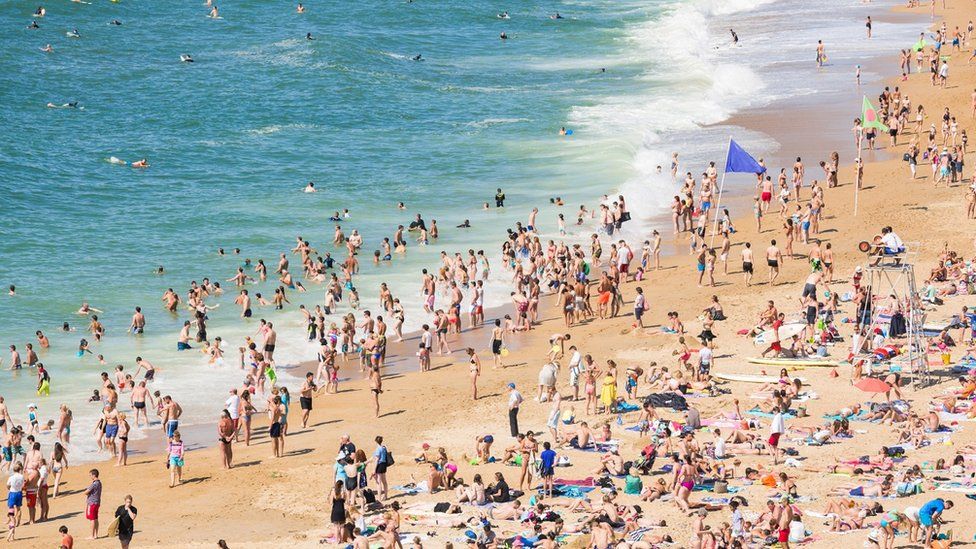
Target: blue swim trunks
x=15, y=499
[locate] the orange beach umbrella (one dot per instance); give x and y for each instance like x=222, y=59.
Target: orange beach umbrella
x=873, y=385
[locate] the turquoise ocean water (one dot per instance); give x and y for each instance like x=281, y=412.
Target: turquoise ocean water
x=233, y=138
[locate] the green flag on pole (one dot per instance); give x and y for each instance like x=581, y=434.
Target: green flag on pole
x=869, y=117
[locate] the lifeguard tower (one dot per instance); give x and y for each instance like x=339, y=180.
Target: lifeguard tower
x=889, y=281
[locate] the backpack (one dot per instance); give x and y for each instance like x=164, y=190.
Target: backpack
x=369, y=496
x=389, y=458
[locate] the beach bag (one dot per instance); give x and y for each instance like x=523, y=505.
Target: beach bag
x=389, y=458
x=369, y=496
x=668, y=400
x=721, y=487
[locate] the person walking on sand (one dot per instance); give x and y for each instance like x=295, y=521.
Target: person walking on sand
x=126, y=515
x=174, y=452
x=776, y=429
x=514, y=401
x=475, y=366
x=277, y=414
x=497, y=344
x=305, y=398
x=376, y=387
x=93, y=500
x=123, y=436
x=225, y=434
x=773, y=259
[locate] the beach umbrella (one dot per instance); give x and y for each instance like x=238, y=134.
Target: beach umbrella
x=873, y=385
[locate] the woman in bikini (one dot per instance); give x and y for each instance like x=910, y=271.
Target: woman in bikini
x=475, y=367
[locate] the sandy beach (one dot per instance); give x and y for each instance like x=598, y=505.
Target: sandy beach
x=265, y=501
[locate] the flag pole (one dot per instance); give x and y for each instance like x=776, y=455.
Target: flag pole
x=721, y=187
x=857, y=180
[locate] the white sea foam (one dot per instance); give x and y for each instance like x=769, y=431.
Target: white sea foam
x=487, y=122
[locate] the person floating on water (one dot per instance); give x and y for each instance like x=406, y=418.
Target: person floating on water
x=308, y=36
x=33, y=25
x=74, y=34
x=555, y=16
x=417, y=57
x=140, y=163
x=503, y=36
x=47, y=49
x=116, y=23
x=186, y=58
x=41, y=12
x=504, y=15
x=465, y=225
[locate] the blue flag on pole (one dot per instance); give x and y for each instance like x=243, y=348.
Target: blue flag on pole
x=739, y=161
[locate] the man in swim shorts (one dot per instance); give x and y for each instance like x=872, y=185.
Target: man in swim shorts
x=305, y=397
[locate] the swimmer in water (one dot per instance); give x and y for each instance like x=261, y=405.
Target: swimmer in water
x=417, y=57
x=735, y=37
x=140, y=163
x=186, y=58
x=401, y=206
x=503, y=36
x=74, y=34
x=33, y=25
x=71, y=105
x=556, y=16
x=310, y=188
x=504, y=15
x=159, y=270
x=214, y=13
x=562, y=131
x=308, y=36
x=41, y=12
x=87, y=309
x=301, y=8
x=465, y=225
x=47, y=49
x=116, y=22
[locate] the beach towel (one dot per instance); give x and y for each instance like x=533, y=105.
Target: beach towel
x=600, y=447
x=588, y=481
x=570, y=491
x=857, y=417
x=627, y=407
x=715, y=500
x=959, y=487
x=758, y=413
x=946, y=416
x=413, y=488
